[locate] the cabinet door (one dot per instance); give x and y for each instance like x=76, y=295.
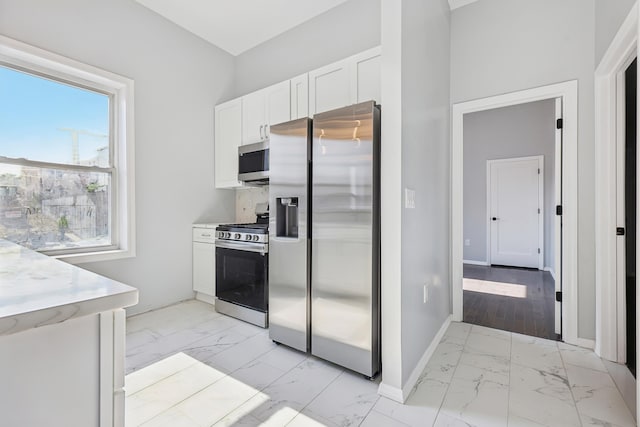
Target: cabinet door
x=365, y=76
x=228, y=135
x=204, y=268
x=300, y=97
x=254, y=117
x=278, y=103
x=329, y=87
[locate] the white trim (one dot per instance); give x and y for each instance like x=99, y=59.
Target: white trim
x=468, y=261
x=540, y=159
x=391, y=195
x=106, y=368
x=585, y=343
x=557, y=219
x=454, y=4
x=122, y=89
x=401, y=395
x=622, y=47
x=569, y=92
x=205, y=298
x=550, y=270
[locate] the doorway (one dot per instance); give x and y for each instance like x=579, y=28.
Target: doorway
x=627, y=196
x=565, y=205
x=507, y=219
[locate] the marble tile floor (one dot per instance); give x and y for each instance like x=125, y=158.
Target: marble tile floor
x=189, y=366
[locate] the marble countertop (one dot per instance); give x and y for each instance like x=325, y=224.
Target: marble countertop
x=37, y=290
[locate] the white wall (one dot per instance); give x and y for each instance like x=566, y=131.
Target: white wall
x=350, y=28
x=609, y=16
x=178, y=80
x=425, y=169
x=415, y=155
x=500, y=46
x=501, y=133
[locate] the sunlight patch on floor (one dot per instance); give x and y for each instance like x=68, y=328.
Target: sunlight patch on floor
x=513, y=290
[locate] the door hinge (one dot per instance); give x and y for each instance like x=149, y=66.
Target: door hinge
x=538, y=171
x=559, y=123
x=538, y=250
x=559, y=210
x=620, y=231
x=538, y=211
x=559, y=296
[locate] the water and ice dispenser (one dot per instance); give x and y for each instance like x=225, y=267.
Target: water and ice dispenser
x=287, y=217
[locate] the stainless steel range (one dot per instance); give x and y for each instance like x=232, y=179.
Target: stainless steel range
x=242, y=269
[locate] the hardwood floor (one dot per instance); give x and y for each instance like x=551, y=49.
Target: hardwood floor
x=531, y=313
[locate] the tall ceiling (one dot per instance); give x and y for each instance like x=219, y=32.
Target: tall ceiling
x=239, y=25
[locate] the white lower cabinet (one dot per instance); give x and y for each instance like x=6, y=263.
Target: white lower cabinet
x=68, y=374
x=204, y=262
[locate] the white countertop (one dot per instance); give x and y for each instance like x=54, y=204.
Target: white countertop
x=36, y=290
x=209, y=224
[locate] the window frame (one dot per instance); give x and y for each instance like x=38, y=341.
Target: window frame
x=26, y=58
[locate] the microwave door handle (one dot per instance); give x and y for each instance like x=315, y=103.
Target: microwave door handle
x=261, y=135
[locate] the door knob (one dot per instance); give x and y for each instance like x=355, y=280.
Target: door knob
x=494, y=219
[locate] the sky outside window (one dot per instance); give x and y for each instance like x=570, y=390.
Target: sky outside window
x=34, y=113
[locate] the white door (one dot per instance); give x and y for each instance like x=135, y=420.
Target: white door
x=329, y=87
x=515, y=211
x=278, y=104
x=254, y=117
x=228, y=135
x=300, y=97
x=365, y=76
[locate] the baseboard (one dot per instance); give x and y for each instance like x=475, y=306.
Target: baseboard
x=401, y=395
x=205, y=298
x=466, y=261
x=586, y=343
x=390, y=392
x=550, y=270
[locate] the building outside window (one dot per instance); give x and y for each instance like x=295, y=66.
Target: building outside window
x=65, y=156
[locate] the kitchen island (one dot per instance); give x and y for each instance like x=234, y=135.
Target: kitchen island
x=62, y=339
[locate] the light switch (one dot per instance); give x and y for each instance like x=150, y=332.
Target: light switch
x=409, y=198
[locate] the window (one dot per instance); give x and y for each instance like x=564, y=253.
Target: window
x=66, y=148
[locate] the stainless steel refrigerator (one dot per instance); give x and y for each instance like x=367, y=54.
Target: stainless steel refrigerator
x=324, y=236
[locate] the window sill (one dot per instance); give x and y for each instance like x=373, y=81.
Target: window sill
x=96, y=256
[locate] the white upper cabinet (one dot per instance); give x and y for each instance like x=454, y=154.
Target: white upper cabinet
x=350, y=81
x=228, y=136
x=254, y=117
x=300, y=97
x=248, y=119
x=329, y=87
x=263, y=108
x=365, y=75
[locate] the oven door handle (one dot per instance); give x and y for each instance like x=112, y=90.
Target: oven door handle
x=249, y=247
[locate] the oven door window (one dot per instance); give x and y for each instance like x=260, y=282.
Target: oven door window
x=241, y=278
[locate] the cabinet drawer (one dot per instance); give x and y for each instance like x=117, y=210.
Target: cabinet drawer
x=205, y=235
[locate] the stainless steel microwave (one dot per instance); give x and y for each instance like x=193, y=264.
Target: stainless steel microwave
x=253, y=163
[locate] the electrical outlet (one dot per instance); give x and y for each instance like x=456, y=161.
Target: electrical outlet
x=409, y=198
x=467, y=242
x=425, y=293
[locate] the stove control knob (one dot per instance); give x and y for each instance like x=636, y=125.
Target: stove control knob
x=247, y=237
x=221, y=234
x=256, y=238
x=237, y=236
x=227, y=235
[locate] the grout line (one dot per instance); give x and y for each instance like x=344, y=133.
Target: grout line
x=564, y=366
x=444, y=397
x=316, y=396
